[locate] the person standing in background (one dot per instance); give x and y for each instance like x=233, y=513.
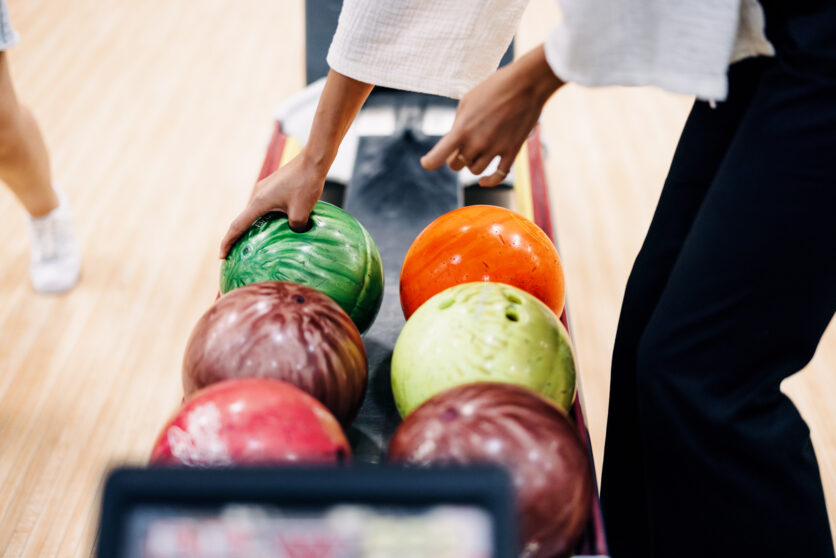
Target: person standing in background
x=55, y=262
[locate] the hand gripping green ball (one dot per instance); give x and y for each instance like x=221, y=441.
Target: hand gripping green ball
x=482, y=332
x=336, y=256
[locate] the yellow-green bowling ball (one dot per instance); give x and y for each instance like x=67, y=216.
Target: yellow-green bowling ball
x=482, y=332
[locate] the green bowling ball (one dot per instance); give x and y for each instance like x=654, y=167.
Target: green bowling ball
x=482, y=332
x=336, y=256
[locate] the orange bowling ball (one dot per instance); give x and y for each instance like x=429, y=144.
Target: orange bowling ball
x=481, y=243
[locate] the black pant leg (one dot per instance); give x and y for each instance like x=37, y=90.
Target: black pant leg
x=705, y=139
x=728, y=461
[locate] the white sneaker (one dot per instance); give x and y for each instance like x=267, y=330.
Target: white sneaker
x=56, y=261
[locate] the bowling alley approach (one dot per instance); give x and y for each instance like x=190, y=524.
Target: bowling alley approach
x=364, y=279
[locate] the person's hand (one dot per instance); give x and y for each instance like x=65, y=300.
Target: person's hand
x=293, y=189
x=495, y=118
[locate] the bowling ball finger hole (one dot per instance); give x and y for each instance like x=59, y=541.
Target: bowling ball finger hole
x=449, y=415
x=444, y=304
x=308, y=226
x=513, y=299
x=299, y=299
x=512, y=315
x=246, y=251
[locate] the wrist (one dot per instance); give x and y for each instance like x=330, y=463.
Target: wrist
x=318, y=160
x=538, y=76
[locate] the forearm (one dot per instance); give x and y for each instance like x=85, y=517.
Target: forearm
x=341, y=100
x=533, y=73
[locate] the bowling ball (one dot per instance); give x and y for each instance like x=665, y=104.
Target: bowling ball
x=336, y=255
x=250, y=422
x=283, y=331
x=481, y=243
x=515, y=428
x=482, y=332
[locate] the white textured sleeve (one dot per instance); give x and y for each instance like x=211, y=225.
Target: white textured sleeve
x=429, y=46
x=684, y=46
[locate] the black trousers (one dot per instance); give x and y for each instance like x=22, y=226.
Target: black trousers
x=730, y=294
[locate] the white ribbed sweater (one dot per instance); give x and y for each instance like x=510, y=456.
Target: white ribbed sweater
x=446, y=47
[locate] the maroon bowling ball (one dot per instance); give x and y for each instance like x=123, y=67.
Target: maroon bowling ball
x=516, y=428
x=281, y=331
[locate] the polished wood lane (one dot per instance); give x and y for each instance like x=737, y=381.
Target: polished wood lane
x=157, y=114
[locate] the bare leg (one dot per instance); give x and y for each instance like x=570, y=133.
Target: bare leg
x=55, y=262
x=24, y=161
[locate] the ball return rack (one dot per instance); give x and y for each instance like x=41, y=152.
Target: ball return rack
x=388, y=191
x=378, y=179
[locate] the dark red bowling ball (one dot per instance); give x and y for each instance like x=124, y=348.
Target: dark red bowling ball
x=283, y=331
x=250, y=422
x=516, y=428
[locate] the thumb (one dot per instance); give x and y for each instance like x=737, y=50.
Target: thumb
x=297, y=217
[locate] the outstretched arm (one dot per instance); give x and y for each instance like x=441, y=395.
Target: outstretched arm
x=294, y=188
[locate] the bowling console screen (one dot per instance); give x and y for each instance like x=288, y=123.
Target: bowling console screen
x=340, y=531
x=307, y=512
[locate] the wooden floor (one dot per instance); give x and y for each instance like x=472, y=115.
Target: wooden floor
x=157, y=114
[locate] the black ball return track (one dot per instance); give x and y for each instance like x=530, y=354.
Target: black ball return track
x=394, y=198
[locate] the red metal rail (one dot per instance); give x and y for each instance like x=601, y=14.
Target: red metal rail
x=595, y=541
